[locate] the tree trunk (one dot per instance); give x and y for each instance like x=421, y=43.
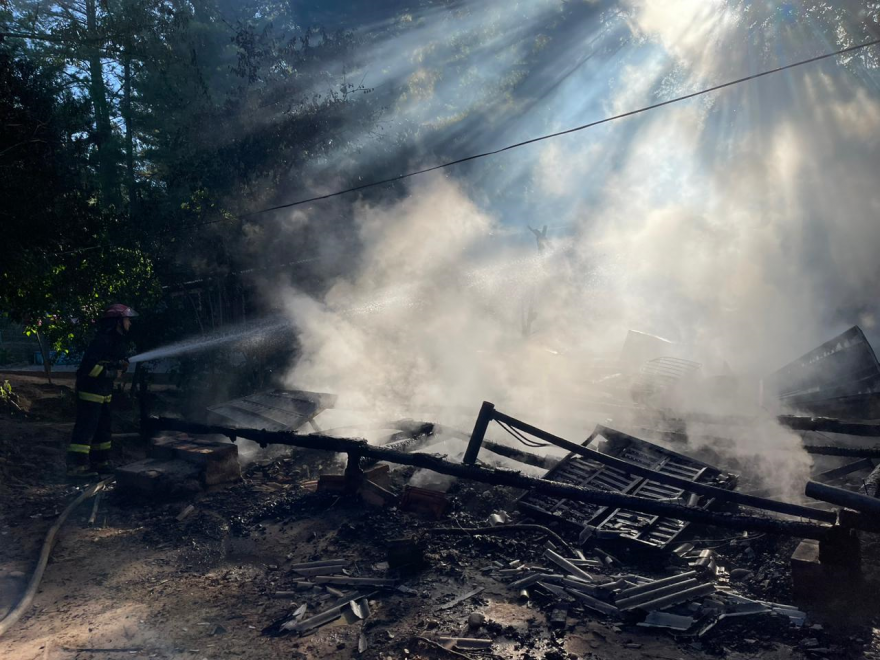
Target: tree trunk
x=47, y=361
x=103, y=127
x=129, y=134
x=210, y=306
x=195, y=309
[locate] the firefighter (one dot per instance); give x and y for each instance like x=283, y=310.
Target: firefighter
x=89, y=452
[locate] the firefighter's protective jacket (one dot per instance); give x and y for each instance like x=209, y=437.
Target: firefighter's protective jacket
x=100, y=366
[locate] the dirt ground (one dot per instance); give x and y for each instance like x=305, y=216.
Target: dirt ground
x=139, y=583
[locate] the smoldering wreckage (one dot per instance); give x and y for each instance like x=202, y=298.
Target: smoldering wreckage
x=640, y=529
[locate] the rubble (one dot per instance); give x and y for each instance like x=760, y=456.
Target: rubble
x=360, y=448
x=695, y=597
x=839, y=378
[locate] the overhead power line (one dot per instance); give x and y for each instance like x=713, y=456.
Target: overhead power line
x=582, y=127
x=400, y=177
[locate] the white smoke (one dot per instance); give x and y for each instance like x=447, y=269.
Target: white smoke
x=741, y=225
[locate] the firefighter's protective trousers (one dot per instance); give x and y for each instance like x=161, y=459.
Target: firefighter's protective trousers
x=91, y=439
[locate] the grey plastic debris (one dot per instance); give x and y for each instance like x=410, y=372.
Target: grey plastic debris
x=318, y=570
x=648, y=596
x=313, y=622
x=317, y=564
x=563, y=563
x=556, y=591
x=531, y=579
x=355, y=581
x=472, y=643
x=460, y=599
x=656, y=584
x=679, y=597
x=593, y=603
x=666, y=620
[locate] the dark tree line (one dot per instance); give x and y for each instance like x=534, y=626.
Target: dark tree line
x=134, y=135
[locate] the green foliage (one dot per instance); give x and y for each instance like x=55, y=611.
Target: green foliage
x=62, y=301
x=133, y=134
x=8, y=398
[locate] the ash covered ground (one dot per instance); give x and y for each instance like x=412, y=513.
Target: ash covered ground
x=141, y=582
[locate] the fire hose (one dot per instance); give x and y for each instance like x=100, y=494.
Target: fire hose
x=28, y=597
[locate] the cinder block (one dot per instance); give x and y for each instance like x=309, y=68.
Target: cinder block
x=163, y=448
x=217, y=461
x=222, y=467
x=158, y=478
x=376, y=495
x=813, y=579
x=423, y=500
x=202, y=453
x=379, y=475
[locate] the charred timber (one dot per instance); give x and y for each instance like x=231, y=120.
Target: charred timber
x=842, y=497
x=520, y=456
x=429, y=431
x=834, y=450
x=500, y=477
x=829, y=425
x=661, y=477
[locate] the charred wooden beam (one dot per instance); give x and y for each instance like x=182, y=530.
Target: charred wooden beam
x=843, y=470
x=520, y=456
x=487, y=413
x=829, y=425
x=834, y=450
x=842, y=497
x=660, y=477
x=425, y=429
x=501, y=477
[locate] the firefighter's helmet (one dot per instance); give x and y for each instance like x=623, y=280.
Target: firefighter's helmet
x=119, y=311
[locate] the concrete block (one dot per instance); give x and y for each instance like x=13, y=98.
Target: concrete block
x=163, y=448
x=375, y=495
x=203, y=453
x=217, y=461
x=156, y=478
x=813, y=579
x=423, y=500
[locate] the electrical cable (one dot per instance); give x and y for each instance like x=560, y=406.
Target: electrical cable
x=520, y=437
x=534, y=444
x=630, y=113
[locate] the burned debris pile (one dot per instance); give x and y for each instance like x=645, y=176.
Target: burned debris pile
x=622, y=530
x=693, y=599
x=650, y=530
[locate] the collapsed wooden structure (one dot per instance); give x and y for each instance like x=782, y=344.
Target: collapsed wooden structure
x=357, y=449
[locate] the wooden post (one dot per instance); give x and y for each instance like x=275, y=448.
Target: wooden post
x=841, y=497
x=487, y=410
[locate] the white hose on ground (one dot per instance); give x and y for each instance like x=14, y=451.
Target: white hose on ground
x=31, y=591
